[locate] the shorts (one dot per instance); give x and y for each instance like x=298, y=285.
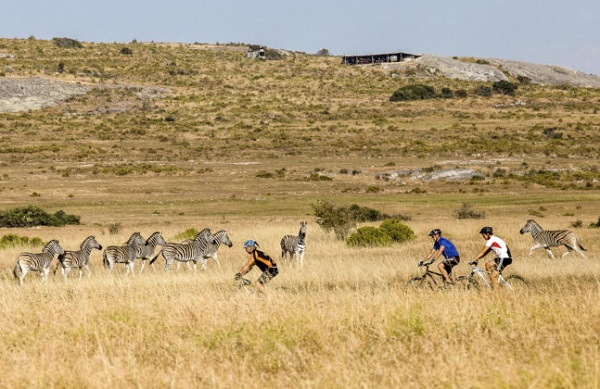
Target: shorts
x=268, y=274
x=449, y=263
x=502, y=263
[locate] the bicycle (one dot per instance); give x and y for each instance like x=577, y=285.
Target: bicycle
x=480, y=278
x=243, y=283
x=433, y=280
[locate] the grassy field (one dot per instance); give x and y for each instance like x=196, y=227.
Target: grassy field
x=249, y=146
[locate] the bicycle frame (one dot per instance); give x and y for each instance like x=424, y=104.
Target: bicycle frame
x=484, y=276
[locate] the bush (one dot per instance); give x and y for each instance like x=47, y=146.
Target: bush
x=190, y=233
x=34, y=216
x=466, y=211
x=330, y=218
x=365, y=214
x=398, y=231
x=483, y=91
x=67, y=43
x=12, y=240
x=369, y=237
x=447, y=93
x=413, y=92
x=595, y=225
x=504, y=87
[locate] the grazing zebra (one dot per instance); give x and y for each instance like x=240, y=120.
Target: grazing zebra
x=547, y=239
x=123, y=254
x=295, y=245
x=37, y=262
x=78, y=259
x=194, y=251
x=146, y=251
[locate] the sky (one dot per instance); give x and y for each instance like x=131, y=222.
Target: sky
x=550, y=32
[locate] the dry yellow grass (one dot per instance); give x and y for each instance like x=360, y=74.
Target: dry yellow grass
x=345, y=319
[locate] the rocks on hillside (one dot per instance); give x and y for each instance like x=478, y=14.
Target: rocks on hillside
x=23, y=94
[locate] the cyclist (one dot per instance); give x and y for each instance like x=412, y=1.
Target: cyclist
x=264, y=262
x=442, y=246
x=499, y=247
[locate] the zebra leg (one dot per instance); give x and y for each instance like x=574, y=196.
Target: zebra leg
x=302, y=258
x=89, y=271
x=549, y=252
x=65, y=272
x=44, y=273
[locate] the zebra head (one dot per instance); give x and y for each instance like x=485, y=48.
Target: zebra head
x=302, y=232
x=136, y=240
x=530, y=226
x=157, y=239
x=53, y=247
x=221, y=236
x=90, y=243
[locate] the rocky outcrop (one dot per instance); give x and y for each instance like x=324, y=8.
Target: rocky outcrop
x=23, y=94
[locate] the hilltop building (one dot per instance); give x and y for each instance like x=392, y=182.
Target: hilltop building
x=377, y=58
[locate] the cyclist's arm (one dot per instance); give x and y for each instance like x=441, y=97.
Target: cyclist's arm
x=434, y=254
x=484, y=251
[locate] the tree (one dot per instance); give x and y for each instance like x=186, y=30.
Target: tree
x=323, y=53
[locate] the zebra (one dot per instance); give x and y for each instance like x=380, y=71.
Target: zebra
x=220, y=237
x=547, y=239
x=146, y=251
x=37, y=262
x=123, y=254
x=194, y=251
x=78, y=259
x=295, y=245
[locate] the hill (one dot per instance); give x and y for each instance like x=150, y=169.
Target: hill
x=203, y=122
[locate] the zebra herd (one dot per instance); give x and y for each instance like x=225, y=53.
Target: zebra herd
x=200, y=249
x=204, y=246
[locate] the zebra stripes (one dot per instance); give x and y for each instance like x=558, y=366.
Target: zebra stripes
x=146, y=251
x=41, y=262
x=123, y=254
x=546, y=239
x=220, y=237
x=295, y=245
x=78, y=259
x=194, y=251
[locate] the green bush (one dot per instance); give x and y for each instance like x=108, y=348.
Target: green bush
x=190, y=233
x=365, y=214
x=398, y=231
x=504, y=87
x=483, y=91
x=466, y=211
x=67, y=43
x=595, y=225
x=31, y=216
x=329, y=217
x=413, y=92
x=369, y=237
x=12, y=240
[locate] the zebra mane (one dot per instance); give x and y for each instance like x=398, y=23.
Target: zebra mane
x=86, y=241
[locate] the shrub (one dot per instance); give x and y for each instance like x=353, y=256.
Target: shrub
x=12, y=240
x=447, y=93
x=413, y=92
x=483, y=91
x=461, y=93
x=67, y=43
x=398, y=231
x=365, y=214
x=369, y=237
x=595, y=225
x=466, y=211
x=329, y=217
x=34, y=216
x=504, y=87
x=114, y=228
x=190, y=233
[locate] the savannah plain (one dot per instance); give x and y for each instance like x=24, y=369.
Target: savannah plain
x=172, y=136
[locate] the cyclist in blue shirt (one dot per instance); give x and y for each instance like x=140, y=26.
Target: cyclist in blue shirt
x=443, y=247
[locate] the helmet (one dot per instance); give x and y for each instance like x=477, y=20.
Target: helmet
x=435, y=231
x=249, y=243
x=486, y=230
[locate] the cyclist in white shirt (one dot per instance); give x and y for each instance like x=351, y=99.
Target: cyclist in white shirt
x=497, y=245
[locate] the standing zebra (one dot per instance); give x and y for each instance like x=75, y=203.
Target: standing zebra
x=193, y=251
x=37, y=262
x=146, y=251
x=123, y=254
x=295, y=245
x=546, y=239
x=78, y=259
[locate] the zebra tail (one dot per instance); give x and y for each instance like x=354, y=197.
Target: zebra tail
x=580, y=246
x=155, y=257
x=17, y=271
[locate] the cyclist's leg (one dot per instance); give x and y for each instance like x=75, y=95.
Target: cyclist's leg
x=492, y=268
x=446, y=269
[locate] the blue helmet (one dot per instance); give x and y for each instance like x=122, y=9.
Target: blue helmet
x=249, y=243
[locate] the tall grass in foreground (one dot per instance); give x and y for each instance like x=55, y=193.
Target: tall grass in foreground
x=345, y=319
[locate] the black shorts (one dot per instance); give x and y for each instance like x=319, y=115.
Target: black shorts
x=268, y=274
x=449, y=263
x=502, y=263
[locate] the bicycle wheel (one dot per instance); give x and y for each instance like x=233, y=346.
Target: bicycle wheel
x=474, y=284
x=461, y=282
x=513, y=282
x=420, y=283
